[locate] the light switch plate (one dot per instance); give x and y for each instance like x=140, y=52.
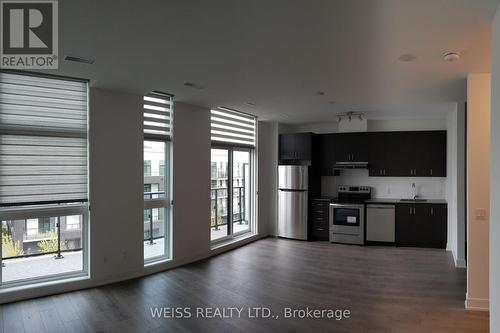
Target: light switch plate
x=480, y=214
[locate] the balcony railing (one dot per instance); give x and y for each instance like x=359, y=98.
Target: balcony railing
x=149, y=234
x=217, y=194
x=153, y=195
x=47, y=242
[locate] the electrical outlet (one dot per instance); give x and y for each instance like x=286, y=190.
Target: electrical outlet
x=480, y=214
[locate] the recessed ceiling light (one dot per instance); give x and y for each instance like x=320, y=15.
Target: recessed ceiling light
x=407, y=57
x=320, y=93
x=451, y=56
x=79, y=59
x=193, y=85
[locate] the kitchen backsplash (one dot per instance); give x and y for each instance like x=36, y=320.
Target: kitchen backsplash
x=386, y=187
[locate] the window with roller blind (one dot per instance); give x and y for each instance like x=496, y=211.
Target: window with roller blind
x=233, y=194
x=157, y=123
x=43, y=177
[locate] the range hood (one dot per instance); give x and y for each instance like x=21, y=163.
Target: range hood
x=350, y=165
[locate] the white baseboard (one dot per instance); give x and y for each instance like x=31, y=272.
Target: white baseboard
x=459, y=262
x=477, y=304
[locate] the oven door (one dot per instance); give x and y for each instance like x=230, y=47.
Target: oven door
x=350, y=215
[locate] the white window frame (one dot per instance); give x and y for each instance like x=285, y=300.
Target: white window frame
x=165, y=202
x=47, y=211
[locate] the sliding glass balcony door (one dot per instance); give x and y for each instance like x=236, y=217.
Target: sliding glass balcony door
x=230, y=192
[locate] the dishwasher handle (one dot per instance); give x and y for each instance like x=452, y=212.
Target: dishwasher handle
x=381, y=206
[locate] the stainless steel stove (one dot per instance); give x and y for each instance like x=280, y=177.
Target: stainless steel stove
x=347, y=215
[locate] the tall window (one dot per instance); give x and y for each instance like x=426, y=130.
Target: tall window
x=232, y=174
x=157, y=193
x=43, y=178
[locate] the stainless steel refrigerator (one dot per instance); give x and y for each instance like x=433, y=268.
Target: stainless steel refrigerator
x=292, y=201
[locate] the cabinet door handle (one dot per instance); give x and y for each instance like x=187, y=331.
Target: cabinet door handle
x=431, y=172
x=381, y=172
x=320, y=229
x=432, y=210
x=410, y=211
x=384, y=172
x=411, y=172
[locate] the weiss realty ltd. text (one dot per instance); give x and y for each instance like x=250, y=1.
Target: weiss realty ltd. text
x=247, y=312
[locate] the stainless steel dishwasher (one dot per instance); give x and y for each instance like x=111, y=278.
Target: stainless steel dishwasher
x=380, y=223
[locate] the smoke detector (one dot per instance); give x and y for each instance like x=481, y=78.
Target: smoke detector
x=451, y=56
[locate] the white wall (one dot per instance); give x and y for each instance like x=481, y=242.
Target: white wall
x=408, y=124
x=116, y=187
x=116, y=183
x=373, y=125
x=455, y=183
x=495, y=182
x=478, y=188
x=319, y=128
x=386, y=187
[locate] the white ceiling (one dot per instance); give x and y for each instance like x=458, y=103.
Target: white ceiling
x=278, y=53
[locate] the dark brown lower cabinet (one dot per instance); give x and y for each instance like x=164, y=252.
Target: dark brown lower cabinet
x=421, y=225
x=319, y=219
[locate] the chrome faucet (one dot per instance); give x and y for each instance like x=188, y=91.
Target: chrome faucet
x=415, y=195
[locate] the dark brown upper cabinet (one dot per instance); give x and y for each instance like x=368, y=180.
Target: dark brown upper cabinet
x=389, y=154
x=408, y=154
x=327, y=153
x=295, y=147
x=351, y=147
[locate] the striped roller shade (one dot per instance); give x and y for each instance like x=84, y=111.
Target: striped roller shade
x=43, y=140
x=158, y=115
x=233, y=128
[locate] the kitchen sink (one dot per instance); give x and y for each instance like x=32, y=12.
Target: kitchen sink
x=413, y=200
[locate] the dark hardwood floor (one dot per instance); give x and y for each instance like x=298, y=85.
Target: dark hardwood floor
x=385, y=289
